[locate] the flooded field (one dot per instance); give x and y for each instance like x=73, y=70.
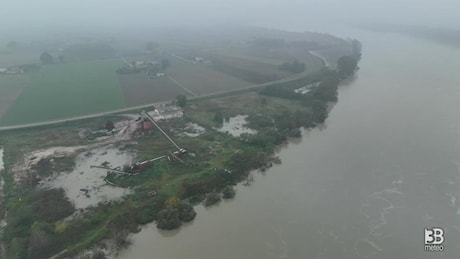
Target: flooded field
x=193, y=130
x=85, y=186
x=235, y=126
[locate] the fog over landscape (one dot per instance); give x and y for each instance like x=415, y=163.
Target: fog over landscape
x=20, y=17
x=229, y=129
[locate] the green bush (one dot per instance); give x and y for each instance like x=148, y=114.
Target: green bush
x=168, y=219
x=228, y=192
x=186, y=212
x=211, y=199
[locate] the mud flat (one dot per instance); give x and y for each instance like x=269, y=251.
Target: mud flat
x=86, y=186
x=193, y=130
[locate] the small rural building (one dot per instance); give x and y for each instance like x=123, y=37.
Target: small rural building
x=145, y=125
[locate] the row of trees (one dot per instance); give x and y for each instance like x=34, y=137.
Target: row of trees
x=347, y=65
x=177, y=211
x=174, y=213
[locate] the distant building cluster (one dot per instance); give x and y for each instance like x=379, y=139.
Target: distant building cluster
x=151, y=68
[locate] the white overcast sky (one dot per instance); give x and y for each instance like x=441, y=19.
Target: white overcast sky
x=29, y=14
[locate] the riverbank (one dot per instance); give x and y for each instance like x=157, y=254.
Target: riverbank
x=219, y=158
x=364, y=185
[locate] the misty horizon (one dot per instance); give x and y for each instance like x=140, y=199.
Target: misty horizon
x=20, y=18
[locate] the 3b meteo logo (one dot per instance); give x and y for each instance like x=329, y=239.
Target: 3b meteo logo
x=434, y=237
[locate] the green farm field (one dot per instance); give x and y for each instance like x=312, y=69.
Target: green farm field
x=67, y=90
x=11, y=87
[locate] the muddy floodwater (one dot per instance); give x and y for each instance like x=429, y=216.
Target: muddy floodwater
x=91, y=179
x=192, y=130
x=385, y=167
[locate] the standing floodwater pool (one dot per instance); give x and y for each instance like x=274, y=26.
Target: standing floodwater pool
x=86, y=186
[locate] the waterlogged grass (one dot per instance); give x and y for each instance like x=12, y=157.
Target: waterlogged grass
x=67, y=90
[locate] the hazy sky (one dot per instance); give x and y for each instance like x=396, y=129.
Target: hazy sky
x=21, y=15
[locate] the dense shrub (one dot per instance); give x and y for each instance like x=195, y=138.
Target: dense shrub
x=211, y=199
x=228, y=192
x=168, y=219
x=186, y=212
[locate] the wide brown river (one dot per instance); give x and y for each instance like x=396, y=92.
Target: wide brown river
x=385, y=166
